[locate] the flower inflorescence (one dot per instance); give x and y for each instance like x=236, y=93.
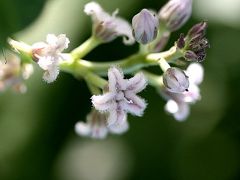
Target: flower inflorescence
x=114, y=98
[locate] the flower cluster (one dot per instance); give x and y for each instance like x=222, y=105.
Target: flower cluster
x=195, y=43
x=114, y=99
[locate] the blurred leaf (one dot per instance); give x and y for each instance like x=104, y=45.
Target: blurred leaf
x=17, y=14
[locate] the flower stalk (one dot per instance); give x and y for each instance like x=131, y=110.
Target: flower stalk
x=85, y=48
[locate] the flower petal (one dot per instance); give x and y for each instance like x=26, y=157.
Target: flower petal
x=118, y=128
x=115, y=78
x=137, y=83
x=116, y=116
x=195, y=72
x=124, y=29
x=192, y=95
x=82, y=129
x=103, y=102
x=183, y=112
x=134, y=104
x=51, y=74
x=180, y=110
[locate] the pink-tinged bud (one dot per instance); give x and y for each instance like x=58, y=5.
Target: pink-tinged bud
x=145, y=26
x=198, y=30
x=175, y=13
x=175, y=80
x=190, y=56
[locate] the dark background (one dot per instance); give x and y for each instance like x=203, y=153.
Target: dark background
x=37, y=138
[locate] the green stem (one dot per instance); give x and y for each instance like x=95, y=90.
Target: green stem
x=153, y=79
x=129, y=65
x=95, y=80
x=85, y=48
x=93, y=89
x=170, y=55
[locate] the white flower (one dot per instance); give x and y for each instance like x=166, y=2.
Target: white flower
x=96, y=126
x=178, y=103
x=107, y=27
x=121, y=97
x=49, y=53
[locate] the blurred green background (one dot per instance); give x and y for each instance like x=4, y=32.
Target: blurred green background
x=37, y=138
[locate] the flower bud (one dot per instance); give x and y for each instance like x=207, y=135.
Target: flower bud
x=175, y=13
x=190, y=56
x=145, y=26
x=198, y=30
x=175, y=80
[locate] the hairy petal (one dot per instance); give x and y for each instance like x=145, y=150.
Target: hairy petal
x=134, y=105
x=137, y=83
x=116, y=116
x=118, y=128
x=115, y=78
x=195, y=72
x=103, y=102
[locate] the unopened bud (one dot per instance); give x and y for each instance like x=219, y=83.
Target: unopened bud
x=181, y=41
x=175, y=80
x=198, y=30
x=175, y=13
x=190, y=56
x=145, y=26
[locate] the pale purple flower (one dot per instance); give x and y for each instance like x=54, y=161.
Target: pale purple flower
x=175, y=13
x=121, y=97
x=108, y=27
x=178, y=103
x=48, y=55
x=145, y=26
x=96, y=126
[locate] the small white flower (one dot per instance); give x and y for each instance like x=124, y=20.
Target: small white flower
x=107, y=27
x=121, y=97
x=49, y=53
x=178, y=103
x=96, y=126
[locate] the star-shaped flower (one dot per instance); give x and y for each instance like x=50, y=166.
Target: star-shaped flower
x=178, y=103
x=121, y=97
x=49, y=53
x=108, y=27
